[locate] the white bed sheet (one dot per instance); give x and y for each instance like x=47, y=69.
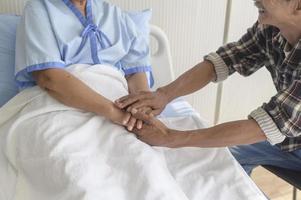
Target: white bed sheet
x=181, y=108
x=209, y=174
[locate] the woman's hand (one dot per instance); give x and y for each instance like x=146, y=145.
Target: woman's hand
x=137, y=122
x=133, y=102
x=126, y=119
x=119, y=116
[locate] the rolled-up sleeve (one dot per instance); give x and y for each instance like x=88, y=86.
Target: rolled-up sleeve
x=245, y=56
x=138, y=58
x=281, y=116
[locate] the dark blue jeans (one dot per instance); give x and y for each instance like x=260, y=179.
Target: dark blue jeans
x=263, y=153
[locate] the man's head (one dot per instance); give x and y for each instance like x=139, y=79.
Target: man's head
x=278, y=12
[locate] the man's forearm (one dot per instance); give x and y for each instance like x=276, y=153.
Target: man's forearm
x=227, y=134
x=191, y=81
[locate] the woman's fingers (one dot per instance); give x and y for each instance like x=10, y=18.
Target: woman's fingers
x=126, y=119
x=139, y=124
x=131, y=123
x=126, y=100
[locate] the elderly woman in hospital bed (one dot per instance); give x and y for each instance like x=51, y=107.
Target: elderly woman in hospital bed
x=55, y=34
x=58, y=137
x=111, y=57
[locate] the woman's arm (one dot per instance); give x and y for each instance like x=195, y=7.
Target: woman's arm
x=137, y=83
x=72, y=92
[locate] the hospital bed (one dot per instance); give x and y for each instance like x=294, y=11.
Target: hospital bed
x=231, y=180
x=163, y=73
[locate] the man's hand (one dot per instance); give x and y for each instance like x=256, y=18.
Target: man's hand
x=155, y=133
x=133, y=102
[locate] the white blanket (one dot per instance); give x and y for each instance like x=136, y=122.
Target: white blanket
x=53, y=152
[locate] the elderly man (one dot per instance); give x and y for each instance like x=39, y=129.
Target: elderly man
x=272, y=133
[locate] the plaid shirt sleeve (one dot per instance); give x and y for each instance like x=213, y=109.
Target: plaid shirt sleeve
x=281, y=116
x=285, y=110
x=244, y=56
x=278, y=118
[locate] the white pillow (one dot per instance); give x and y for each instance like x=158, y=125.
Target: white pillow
x=8, y=87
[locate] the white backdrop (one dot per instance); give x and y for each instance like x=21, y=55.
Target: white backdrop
x=242, y=95
x=195, y=28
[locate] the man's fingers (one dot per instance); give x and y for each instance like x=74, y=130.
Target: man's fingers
x=124, y=98
x=155, y=112
x=140, y=132
x=130, y=99
x=140, y=104
x=146, y=110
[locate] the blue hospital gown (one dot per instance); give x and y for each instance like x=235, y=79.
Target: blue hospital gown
x=54, y=34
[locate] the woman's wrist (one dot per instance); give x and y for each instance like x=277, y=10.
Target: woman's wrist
x=107, y=111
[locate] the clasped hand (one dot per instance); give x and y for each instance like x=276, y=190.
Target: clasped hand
x=137, y=113
x=150, y=103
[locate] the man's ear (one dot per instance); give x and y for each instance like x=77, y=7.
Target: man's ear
x=298, y=9
x=298, y=13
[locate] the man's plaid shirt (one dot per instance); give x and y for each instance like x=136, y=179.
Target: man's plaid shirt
x=280, y=118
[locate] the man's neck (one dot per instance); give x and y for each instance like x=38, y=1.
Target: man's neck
x=291, y=31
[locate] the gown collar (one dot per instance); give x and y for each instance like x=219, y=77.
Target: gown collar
x=85, y=20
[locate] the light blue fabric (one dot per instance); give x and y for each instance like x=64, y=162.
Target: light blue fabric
x=142, y=19
x=263, y=153
x=54, y=34
x=8, y=88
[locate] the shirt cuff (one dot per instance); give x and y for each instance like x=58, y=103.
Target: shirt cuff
x=267, y=125
x=221, y=69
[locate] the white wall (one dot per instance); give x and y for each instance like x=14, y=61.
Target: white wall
x=12, y=6
x=242, y=95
